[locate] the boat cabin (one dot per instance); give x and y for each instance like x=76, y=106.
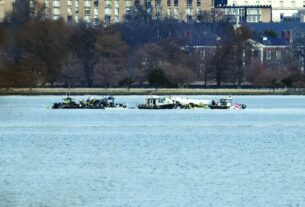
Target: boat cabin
x=225, y=101
x=156, y=100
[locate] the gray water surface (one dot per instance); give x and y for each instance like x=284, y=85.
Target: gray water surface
x=147, y=158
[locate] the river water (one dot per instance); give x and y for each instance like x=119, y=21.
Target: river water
x=148, y=158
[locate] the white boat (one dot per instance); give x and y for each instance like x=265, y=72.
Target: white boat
x=225, y=103
x=157, y=102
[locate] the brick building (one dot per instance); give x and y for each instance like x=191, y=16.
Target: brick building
x=111, y=11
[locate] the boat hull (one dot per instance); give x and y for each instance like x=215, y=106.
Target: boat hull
x=165, y=106
x=218, y=107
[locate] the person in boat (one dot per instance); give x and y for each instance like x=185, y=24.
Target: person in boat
x=213, y=103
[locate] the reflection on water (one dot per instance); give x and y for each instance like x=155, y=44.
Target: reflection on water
x=127, y=158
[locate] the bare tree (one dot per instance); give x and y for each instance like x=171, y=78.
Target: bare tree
x=82, y=42
x=47, y=40
x=112, y=54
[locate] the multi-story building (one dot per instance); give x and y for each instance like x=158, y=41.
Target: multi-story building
x=281, y=9
x=250, y=14
x=110, y=11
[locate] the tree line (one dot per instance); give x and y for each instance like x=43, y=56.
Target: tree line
x=142, y=51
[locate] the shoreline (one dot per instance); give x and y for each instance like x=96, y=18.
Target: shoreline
x=146, y=91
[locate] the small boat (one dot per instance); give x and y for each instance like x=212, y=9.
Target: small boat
x=225, y=103
x=68, y=103
x=109, y=103
x=157, y=102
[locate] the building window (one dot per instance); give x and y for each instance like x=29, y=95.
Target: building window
x=95, y=10
x=189, y=18
x=176, y=2
x=96, y=21
x=278, y=54
x=46, y=3
x=168, y=2
x=189, y=2
x=56, y=11
x=268, y=55
x=198, y=2
x=96, y=3
x=117, y=3
x=148, y=4
x=198, y=11
x=129, y=4
x=69, y=19
x=56, y=3
x=69, y=11
x=176, y=13
x=159, y=11
x=108, y=3
x=128, y=11
x=202, y=54
x=87, y=3
x=168, y=12
x=116, y=11
x=108, y=11
x=107, y=18
x=189, y=11
x=117, y=19
x=159, y=2
x=87, y=11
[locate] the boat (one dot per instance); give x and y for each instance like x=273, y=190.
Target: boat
x=109, y=103
x=157, y=102
x=90, y=103
x=68, y=103
x=225, y=103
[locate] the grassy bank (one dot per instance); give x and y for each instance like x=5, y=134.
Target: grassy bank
x=145, y=91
